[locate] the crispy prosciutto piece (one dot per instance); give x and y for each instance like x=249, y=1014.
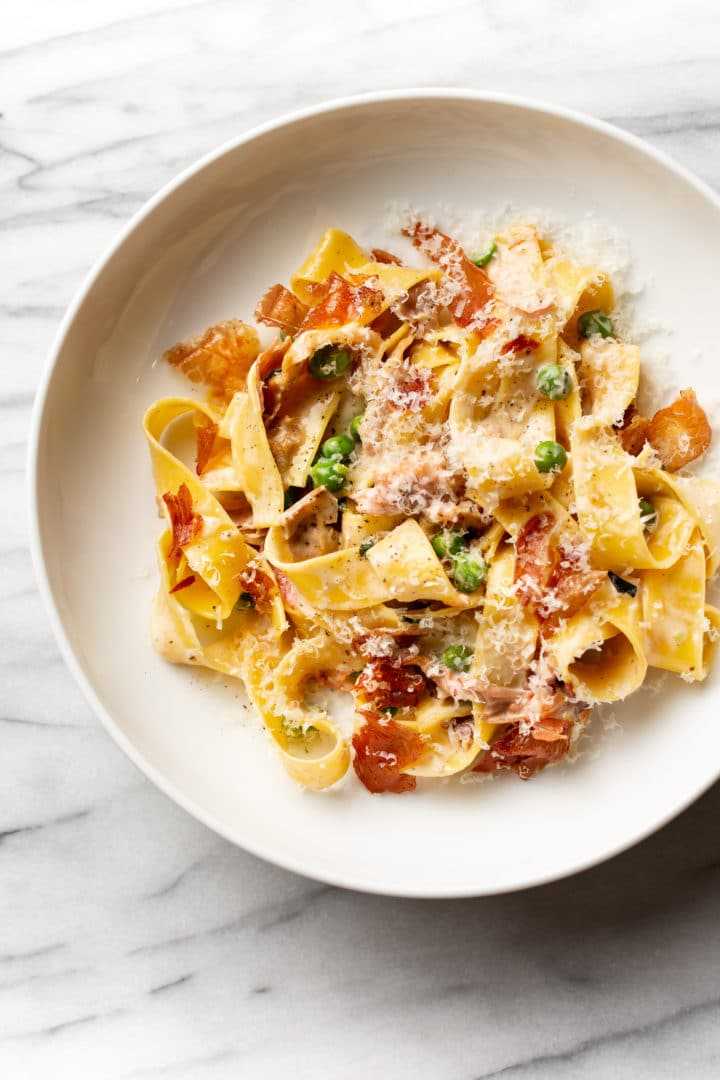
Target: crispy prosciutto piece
x=386, y=324
x=271, y=359
x=281, y=308
x=381, y=256
x=549, y=729
x=383, y=747
x=464, y=686
x=185, y=523
x=421, y=483
x=572, y=583
x=552, y=575
x=341, y=303
x=534, y=557
x=205, y=442
x=681, y=432
x=259, y=584
x=385, y=684
x=474, y=288
x=634, y=431
x=520, y=344
x=269, y=368
x=291, y=596
x=412, y=391
x=526, y=753
x=220, y=357
x=184, y=584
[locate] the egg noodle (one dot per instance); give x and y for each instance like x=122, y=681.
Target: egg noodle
x=432, y=490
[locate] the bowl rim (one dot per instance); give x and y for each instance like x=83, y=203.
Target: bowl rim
x=296, y=864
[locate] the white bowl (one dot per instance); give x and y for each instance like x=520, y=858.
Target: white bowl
x=204, y=249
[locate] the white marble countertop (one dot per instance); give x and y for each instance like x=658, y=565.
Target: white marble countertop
x=135, y=943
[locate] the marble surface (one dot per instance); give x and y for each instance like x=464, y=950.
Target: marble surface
x=135, y=943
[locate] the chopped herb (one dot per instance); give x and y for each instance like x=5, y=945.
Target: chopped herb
x=365, y=547
x=457, y=658
x=283, y=335
x=354, y=675
x=649, y=516
x=244, y=602
x=296, y=729
x=622, y=585
x=342, y=504
x=392, y=710
x=483, y=260
x=406, y=618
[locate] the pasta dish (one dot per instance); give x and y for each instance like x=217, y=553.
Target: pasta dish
x=431, y=487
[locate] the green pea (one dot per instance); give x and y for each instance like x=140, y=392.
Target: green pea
x=295, y=730
x=457, y=658
x=550, y=456
x=338, y=447
x=554, y=382
x=468, y=574
x=244, y=602
x=483, y=260
x=355, y=426
x=621, y=585
x=595, y=322
x=329, y=362
x=330, y=474
x=447, y=543
x=648, y=515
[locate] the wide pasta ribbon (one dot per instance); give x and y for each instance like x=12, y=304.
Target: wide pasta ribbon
x=402, y=566
x=217, y=555
x=252, y=648
x=607, y=502
x=496, y=421
x=600, y=650
x=699, y=497
x=312, y=748
x=256, y=473
x=507, y=630
x=679, y=634
x=337, y=253
x=449, y=747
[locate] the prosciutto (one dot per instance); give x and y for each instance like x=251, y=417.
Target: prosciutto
x=185, y=523
x=383, y=748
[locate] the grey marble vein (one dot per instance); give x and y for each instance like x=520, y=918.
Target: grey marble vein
x=133, y=942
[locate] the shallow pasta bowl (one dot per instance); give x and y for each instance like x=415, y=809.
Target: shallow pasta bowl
x=204, y=249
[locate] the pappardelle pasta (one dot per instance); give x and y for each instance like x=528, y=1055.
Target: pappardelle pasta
x=431, y=489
